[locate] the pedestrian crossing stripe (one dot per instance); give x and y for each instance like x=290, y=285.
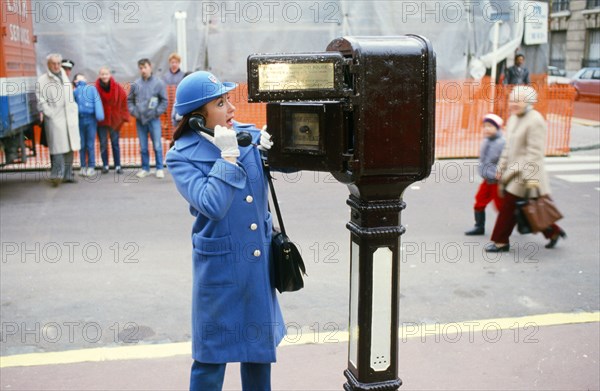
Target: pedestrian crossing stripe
x=407, y=331
x=575, y=163
x=584, y=158
x=580, y=178
x=573, y=167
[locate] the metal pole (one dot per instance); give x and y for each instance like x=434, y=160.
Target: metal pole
x=494, y=63
x=180, y=17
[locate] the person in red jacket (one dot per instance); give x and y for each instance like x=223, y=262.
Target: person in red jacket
x=114, y=101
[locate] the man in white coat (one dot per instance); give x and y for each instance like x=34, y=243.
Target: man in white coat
x=54, y=93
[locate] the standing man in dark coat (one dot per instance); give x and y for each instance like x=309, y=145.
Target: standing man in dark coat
x=146, y=101
x=517, y=74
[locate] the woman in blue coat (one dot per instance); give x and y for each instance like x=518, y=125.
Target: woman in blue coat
x=235, y=313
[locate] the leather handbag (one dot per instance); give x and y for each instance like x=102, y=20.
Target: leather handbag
x=288, y=266
x=540, y=211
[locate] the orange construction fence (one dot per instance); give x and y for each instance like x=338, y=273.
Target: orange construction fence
x=460, y=106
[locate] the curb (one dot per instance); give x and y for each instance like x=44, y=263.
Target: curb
x=586, y=122
x=407, y=330
x=584, y=148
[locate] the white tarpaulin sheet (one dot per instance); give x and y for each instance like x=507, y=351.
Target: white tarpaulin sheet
x=221, y=34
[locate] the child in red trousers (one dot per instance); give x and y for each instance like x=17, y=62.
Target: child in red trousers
x=491, y=149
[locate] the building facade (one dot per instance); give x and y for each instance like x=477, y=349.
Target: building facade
x=574, y=34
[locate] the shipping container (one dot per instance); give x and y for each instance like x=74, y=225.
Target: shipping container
x=18, y=106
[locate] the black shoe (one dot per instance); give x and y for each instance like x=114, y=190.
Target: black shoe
x=492, y=248
x=554, y=239
x=69, y=180
x=105, y=170
x=119, y=170
x=476, y=231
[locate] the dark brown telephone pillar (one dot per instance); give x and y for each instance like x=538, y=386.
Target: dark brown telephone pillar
x=394, y=125
x=365, y=111
x=374, y=290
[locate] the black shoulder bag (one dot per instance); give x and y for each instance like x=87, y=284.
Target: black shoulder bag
x=522, y=224
x=288, y=266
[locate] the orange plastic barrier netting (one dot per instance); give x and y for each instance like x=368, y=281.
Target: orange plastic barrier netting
x=460, y=106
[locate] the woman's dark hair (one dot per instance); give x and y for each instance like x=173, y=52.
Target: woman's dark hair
x=182, y=126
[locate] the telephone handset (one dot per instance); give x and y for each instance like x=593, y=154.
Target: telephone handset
x=197, y=122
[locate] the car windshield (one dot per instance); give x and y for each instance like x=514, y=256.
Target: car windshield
x=553, y=71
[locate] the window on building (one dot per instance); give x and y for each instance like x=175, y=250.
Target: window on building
x=558, y=49
x=592, y=58
x=560, y=5
x=591, y=4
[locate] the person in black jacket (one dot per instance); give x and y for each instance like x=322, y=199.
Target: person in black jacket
x=517, y=74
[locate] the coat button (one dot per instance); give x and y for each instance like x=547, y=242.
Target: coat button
x=249, y=199
x=253, y=226
x=257, y=253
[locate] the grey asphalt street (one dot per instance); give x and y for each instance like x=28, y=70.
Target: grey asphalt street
x=106, y=262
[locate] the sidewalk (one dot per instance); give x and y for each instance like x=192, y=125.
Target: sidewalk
x=546, y=358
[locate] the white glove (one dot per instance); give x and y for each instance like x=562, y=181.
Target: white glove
x=226, y=141
x=265, y=140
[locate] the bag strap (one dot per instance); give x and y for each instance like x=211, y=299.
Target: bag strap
x=529, y=192
x=273, y=195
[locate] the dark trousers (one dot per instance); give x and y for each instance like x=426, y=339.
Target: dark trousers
x=209, y=377
x=61, y=166
x=103, y=133
x=507, y=220
x=487, y=193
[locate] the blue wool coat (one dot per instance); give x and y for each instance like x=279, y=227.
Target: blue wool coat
x=235, y=313
x=88, y=100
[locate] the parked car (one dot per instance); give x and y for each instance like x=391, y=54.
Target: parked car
x=557, y=76
x=587, y=83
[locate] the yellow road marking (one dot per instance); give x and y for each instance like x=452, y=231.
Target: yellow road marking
x=97, y=354
x=295, y=337
x=414, y=330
